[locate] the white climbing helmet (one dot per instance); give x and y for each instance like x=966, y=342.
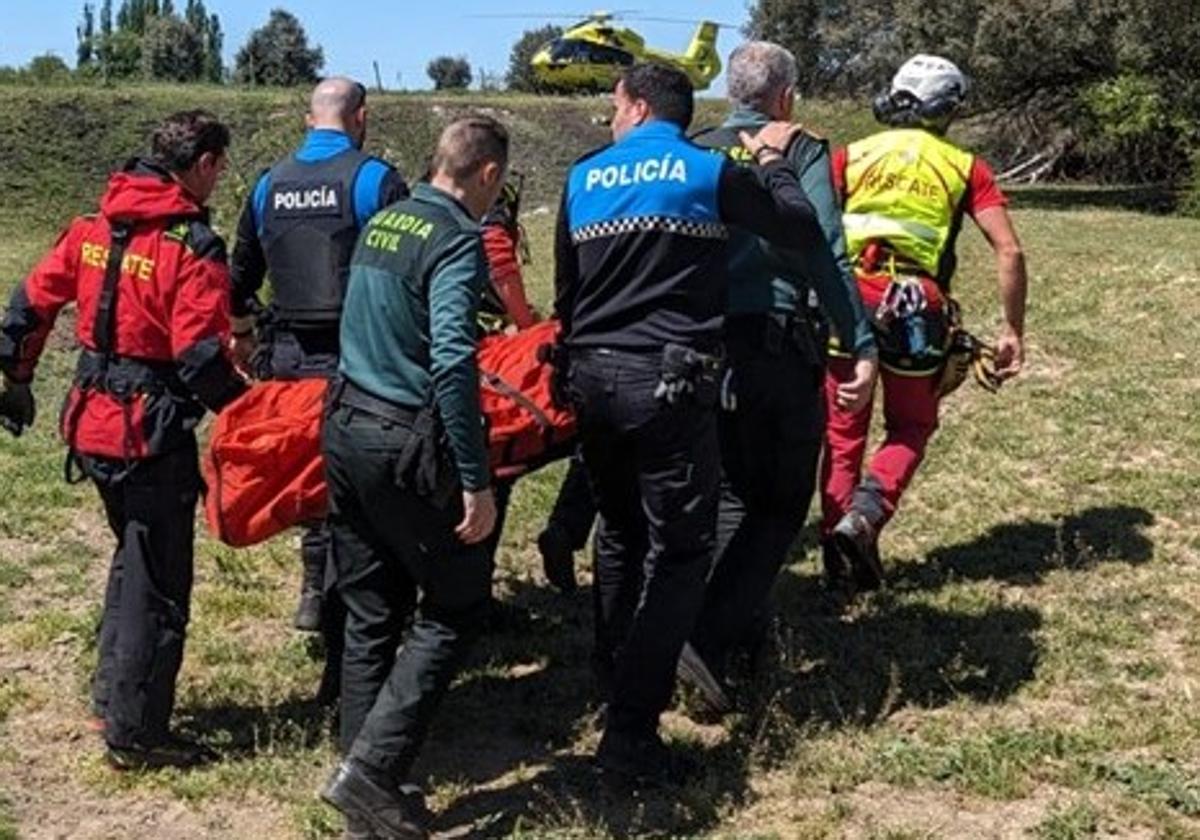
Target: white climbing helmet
x=935, y=82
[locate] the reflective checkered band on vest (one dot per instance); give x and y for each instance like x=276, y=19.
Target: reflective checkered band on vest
x=650, y=224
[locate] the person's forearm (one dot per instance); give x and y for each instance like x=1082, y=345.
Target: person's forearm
x=247, y=266
x=456, y=394
x=1013, y=286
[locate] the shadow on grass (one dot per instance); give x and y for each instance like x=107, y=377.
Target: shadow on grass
x=827, y=672
x=243, y=732
x=570, y=794
x=1149, y=198
x=527, y=701
x=1023, y=552
x=509, y=731
x=837, y=672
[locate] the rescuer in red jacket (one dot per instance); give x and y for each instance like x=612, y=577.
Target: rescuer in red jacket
x=150, y=283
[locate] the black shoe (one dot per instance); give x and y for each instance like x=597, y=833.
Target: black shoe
x=641, y=759
x=172, y=752
x=558, y=558
x=358, y=828
x=308, y=612
x=857, y=540
x=391, y=813
x=693, y=670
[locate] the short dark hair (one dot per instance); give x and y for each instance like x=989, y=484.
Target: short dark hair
x=666, y=90
x=183, y=137
x=468, y=143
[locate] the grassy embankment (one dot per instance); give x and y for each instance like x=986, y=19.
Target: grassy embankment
x=1031, y=672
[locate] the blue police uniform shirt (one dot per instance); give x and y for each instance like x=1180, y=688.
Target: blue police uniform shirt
x=653, y=172
x=647, y=240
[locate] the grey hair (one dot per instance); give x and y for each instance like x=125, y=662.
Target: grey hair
x=758, y=70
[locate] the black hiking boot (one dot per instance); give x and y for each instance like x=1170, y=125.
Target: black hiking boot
x=857, y=540
x=312, y=589
x=558, y=558
x=370, y=803
x=172, y=752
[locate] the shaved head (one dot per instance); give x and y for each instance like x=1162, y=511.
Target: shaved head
x=335, y=100
x=469, y=143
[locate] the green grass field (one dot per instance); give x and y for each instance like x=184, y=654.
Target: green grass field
x=1031, y=672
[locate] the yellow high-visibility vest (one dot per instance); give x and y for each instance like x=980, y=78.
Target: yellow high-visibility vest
x=905, y=186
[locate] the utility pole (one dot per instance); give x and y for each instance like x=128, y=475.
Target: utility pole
x=378, y=78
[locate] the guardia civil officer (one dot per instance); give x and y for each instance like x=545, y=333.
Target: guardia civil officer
x=299, y=225
x=151, y=286
x=772, y=429
x=640, y=285
x=410, y=498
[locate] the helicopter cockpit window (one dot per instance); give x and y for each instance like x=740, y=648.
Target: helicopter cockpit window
x=566, y=49
x=582, y=52
x=608, y=55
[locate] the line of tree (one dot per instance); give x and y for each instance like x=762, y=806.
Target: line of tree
x=150, y=39
x=1097, y=88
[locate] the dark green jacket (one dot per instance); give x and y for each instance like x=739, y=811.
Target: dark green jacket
x=408, y=330
x=766, y=279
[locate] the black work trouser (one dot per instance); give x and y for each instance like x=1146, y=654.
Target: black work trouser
x=769, y=450
x=654, y=470
x=397, y=560
x=574, y=509
x=151, y=509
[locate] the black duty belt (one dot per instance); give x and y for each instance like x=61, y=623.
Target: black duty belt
x=344, y=392
x=124, y=376
x=307, y=318
x=649, y=360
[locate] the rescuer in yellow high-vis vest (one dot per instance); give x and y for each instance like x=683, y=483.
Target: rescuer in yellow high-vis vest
x=905, y=191
x=906, y=188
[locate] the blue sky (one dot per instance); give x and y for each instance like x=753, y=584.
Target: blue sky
x=401, y=36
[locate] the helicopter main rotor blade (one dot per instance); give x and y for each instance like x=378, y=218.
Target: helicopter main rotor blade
x=580, y=16
x=692, y=21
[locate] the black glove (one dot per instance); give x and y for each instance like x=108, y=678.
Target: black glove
x=17, y=408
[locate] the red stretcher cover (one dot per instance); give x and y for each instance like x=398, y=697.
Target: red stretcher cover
x=263, y=463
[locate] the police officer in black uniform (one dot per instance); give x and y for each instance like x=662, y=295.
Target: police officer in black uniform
x=411, y=501
x=300, y=224
x=771, y=431
x=640, y=289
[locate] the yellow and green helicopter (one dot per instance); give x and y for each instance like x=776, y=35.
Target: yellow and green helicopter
x=590, y=55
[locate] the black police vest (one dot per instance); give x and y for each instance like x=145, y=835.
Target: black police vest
x=309, y=232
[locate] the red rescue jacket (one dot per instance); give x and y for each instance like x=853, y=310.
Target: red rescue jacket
x=152, y=359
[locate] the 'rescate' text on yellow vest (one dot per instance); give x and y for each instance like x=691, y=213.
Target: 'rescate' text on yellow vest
x=905, y=186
